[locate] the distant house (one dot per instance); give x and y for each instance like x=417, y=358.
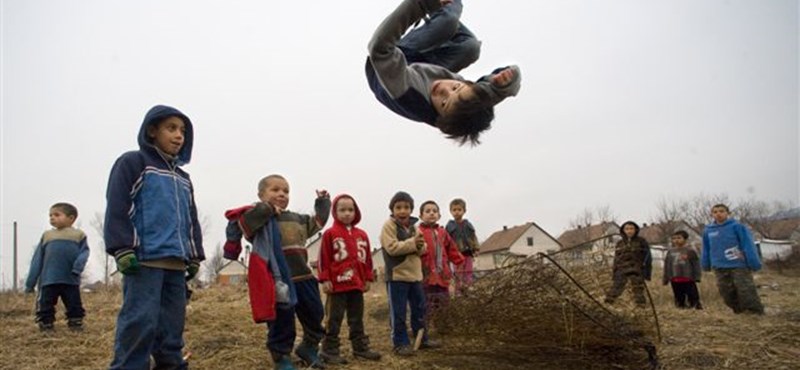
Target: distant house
x=588, y=239
x=659, y=237
x=514, y=242
x=232, y=273
x=787, y=229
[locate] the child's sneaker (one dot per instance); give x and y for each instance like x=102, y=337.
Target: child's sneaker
x=430, y=344
x=75, y=324
x=46, y=327
x=367, y=354
x=284, y=363
x=332, y=359
x=308, y=354
x=404, y=351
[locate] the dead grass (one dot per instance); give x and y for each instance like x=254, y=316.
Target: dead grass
x=220, y=334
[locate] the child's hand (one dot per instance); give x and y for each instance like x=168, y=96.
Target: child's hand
x=419, y=240
x=327, y=287
x=502, y=78
x=366, y=286
x=445, y=2
x=322, y=193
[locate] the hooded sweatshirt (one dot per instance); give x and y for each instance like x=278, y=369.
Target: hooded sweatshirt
x=150, y=199
x=406, y=89
x=441, y=251
x=345, y=257
x=729, y=245
x=632, y=255
x=400, y=252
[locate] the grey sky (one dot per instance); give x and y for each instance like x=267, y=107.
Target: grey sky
x=623, y=103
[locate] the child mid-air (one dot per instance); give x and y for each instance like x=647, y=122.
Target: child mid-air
x=151, y=229
x=416, y=76
x=270, y=223
x=56, y=269
x=345, y=272
x=632, y=262
x=402, y=247
x=682, y=271
x=442, y=251
x=463, y=233
x=728, y=248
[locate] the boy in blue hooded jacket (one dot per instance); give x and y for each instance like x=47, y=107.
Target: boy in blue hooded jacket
x=728, y=248
x=151, y=229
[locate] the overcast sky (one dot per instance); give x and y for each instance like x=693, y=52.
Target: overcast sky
x=623, y=102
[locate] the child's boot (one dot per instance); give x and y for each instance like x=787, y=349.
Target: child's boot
x=361, y=350
x=308, y=353
x=46, y=327
x=75, y=324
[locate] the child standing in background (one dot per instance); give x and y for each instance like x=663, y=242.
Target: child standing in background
x=56, y=269
x=682, y=271
x=402, y=248
x=728, y=248
x=441, y=251
x=345, y=272
x=463, y=233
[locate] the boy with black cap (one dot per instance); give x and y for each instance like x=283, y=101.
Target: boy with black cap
x=402, y=247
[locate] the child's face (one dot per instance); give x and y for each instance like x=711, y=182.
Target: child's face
x=345, y=211
x=430, y=214
x=629, y=230
x=457, y=211
x=59, y=219
x=678, y=240
x=401, y=210
x=720, y=214
x=446, y=94
x=275, y=193
x=168, y=135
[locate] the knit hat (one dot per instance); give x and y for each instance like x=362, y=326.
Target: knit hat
x=401, y=196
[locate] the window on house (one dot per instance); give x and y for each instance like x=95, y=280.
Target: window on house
x=530, y=241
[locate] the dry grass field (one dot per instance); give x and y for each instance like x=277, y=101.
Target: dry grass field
x=220, y=334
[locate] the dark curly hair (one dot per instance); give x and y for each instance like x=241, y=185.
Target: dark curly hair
x=470, y=118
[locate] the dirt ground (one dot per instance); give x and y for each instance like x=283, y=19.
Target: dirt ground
x=221, y=335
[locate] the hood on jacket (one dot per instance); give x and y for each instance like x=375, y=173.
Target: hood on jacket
x=622, y=229
x=336, y=200
x=155, y=115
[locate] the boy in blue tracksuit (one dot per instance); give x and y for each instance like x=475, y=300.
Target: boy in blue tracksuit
x=728, y=248
x=56, y=266
x=151, y=229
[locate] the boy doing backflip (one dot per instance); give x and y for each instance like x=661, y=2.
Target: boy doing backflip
x=416, y=76
x=56, y=269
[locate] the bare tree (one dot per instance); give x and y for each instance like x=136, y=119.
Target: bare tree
x=106, y=262
x=699, y=211
x=213, y=264
x=605, y=214
x=759, y=215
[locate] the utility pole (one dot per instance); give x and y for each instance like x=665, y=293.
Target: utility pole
x=15, y=256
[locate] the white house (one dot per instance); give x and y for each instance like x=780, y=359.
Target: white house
x=232, y=273
x=590, y=239
x=514, y=242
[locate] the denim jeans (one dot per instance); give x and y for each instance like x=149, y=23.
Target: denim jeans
x=151, y=320
x=443, y=40
x=402, y=294
x=309, y=311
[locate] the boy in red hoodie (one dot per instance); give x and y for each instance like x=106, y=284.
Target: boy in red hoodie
x=442, y=250
x=345, y=272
